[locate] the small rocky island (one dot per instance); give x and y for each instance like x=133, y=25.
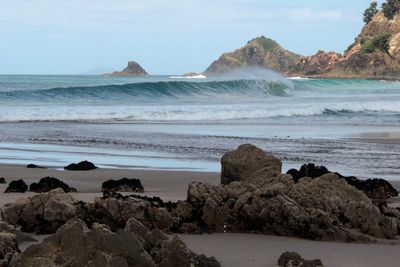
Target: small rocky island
x=133, y=69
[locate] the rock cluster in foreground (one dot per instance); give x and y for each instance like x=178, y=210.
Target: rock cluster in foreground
x=255, y=197
x=75, y=245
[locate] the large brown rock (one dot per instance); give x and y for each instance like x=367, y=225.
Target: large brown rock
x=324, y=208
x=249, y=163
x=75, y=245
x=42, y=213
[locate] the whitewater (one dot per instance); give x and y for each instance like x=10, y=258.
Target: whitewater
x=165, y=99
x=175, y=122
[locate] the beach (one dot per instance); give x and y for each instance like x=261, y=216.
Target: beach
x=231, y=249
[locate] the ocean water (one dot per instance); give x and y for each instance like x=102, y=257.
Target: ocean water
x=172, y=122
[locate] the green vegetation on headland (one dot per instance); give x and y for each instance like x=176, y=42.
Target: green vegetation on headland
x=375, y=53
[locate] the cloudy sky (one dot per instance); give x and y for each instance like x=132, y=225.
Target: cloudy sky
x=165, y=37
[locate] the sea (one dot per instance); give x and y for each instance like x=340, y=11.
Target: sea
x=188, y=123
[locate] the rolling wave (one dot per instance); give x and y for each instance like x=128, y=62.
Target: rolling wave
x=153, y=91
x=206, y=100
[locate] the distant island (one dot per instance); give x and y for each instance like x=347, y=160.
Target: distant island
x=133, y=69
x=375, y=53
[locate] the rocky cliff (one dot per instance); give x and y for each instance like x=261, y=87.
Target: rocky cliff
x=133, y=69
x=261, y=52
x=375, y=54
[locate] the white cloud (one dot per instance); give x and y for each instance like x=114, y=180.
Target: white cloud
x=150, y=15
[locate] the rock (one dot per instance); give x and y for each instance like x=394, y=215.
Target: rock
x=259, y=52
x=18, y=186
x=20, y=236
x=81, y=166
x=34, y=166
x=74, y=244
x=42, y=213
x=115, y=210
x=123, y=185
x=3, y=180
x=248, y=163
x=324, y=208
x=373, y=188
x=308, y=170
x=133, y=69
x=49, y=183
x=8, y=244
x=293, y=259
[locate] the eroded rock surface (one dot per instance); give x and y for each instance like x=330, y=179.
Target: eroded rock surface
x=75, y=245
x=41, y=213
x=248, y=163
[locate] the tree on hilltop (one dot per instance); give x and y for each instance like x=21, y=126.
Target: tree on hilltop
x=391, y=8
x=370, y=12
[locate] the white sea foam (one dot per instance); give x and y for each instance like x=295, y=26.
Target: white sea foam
x=193, y=112
x=197, y=76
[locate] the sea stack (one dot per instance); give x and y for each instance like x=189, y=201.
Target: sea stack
x=133, y=69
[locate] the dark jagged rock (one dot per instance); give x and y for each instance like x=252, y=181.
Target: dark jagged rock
x=308, y=170
x=123, y=185
x=49, y=183
x=81, y=166
x=373, y=188
x=293, y=259
x=74, y=244
x=34, y=166
x=17, y=186
x=133, y=69
x=3, y=180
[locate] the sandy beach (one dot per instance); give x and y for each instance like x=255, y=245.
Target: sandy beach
x=230, y=249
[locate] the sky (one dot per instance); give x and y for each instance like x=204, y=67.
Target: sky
x=164, y=37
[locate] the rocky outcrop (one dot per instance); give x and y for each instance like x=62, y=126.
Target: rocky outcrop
x=123, y=185
x=49, y=183
x=3, y=180
x=248, y=163
x=375, y=54
x=133, y=69
x=42, y=213
x=74, y=244
x=325, y=208
x=18, y=186
x=373, y=188
x=259, y=52
x=293, y=259
x=81, y=166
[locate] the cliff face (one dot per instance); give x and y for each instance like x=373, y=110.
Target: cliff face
x=133, y=69
x=375, y=54
x=261, y=52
